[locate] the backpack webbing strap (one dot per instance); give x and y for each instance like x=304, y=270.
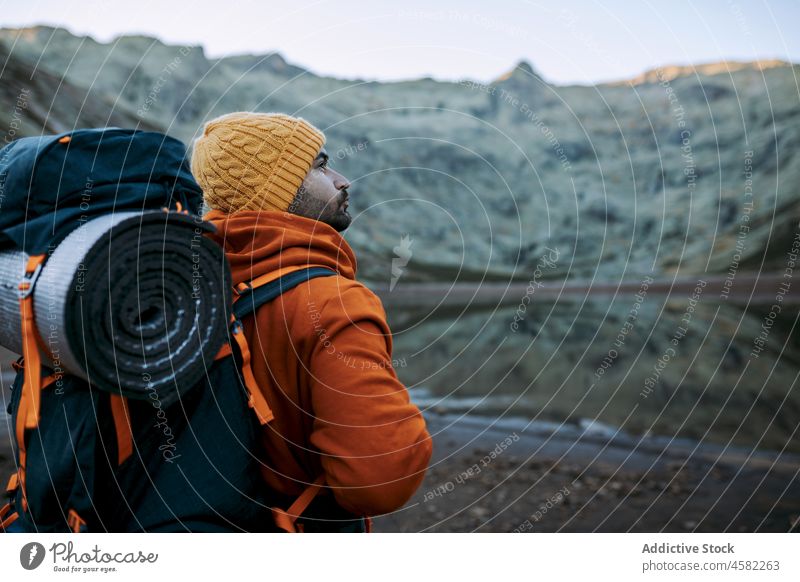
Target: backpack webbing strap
x=251, y=296
x=286, y=519
x=30, y=399
x=244, y=287
x=75, y=522
x=7, y=516
x=256, y=399
x=122, y=426
x=224, y=351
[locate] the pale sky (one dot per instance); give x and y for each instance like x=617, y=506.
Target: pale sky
x=567, y=41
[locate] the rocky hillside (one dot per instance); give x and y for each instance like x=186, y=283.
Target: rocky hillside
x=38, y=101
x=682, y=171
x=621, y=178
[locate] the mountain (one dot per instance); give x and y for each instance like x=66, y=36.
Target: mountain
x=684, y=171
x=670, y=73
x=38, y=101
x=516, y=162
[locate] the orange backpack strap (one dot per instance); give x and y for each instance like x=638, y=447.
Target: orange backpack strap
x=7, y=515
x=75, y=522
x=224, y=351
x=286, y=519
x=268, y=278
x=256, y=399
x=30, y=399
x=122, y=425
x=19, y=364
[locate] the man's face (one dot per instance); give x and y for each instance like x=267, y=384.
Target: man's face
x=323, y=195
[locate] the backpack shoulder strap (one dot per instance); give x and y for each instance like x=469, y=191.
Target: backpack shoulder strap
x=29, y=406
x=253, y=295
x=250, y=296
x=287, y=519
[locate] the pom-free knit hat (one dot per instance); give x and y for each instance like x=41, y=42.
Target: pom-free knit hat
x=254, y=161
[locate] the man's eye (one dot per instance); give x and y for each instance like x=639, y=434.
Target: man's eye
x=323, y=164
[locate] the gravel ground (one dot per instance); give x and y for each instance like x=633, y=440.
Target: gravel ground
x=570, y=480
x=494, y=476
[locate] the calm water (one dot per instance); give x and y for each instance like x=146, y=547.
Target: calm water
x=696, y=368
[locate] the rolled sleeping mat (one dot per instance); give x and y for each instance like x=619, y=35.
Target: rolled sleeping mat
x=135, y=303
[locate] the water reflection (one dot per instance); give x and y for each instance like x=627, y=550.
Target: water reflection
x=685, y=367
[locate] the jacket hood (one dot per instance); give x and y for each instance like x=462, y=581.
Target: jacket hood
x=258, y=242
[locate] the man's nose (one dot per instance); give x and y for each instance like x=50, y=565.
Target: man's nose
x=340, y=182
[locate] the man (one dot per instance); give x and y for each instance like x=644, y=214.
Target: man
x=322, y=352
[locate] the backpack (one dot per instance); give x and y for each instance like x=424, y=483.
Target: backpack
x=52, y=184
x=118, y=474
x=91, y=458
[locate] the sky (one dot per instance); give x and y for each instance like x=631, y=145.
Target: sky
x=566, y=41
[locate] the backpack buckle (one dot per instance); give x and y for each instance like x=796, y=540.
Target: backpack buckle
x=242, y=288
x=19, y=364
x=13, y=485
x=75, y=522
x=29, y=281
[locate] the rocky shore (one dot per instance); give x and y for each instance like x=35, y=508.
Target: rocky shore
x=573, y=479
x=504, y=476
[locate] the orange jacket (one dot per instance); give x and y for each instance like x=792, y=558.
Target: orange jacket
x=322, y=355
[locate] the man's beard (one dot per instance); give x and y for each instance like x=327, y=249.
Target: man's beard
x=332, y=213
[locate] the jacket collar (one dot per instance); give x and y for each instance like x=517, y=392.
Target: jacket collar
x=258, y=242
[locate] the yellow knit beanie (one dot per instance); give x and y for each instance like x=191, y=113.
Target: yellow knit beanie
x=254, y=161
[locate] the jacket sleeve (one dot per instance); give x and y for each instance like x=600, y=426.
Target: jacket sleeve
x=373, y=441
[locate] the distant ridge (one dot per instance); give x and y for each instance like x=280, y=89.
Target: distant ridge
x=670, y=72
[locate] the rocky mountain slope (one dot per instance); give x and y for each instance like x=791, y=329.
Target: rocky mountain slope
x=621, y=178
x=38, y=101
x=681, y=172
